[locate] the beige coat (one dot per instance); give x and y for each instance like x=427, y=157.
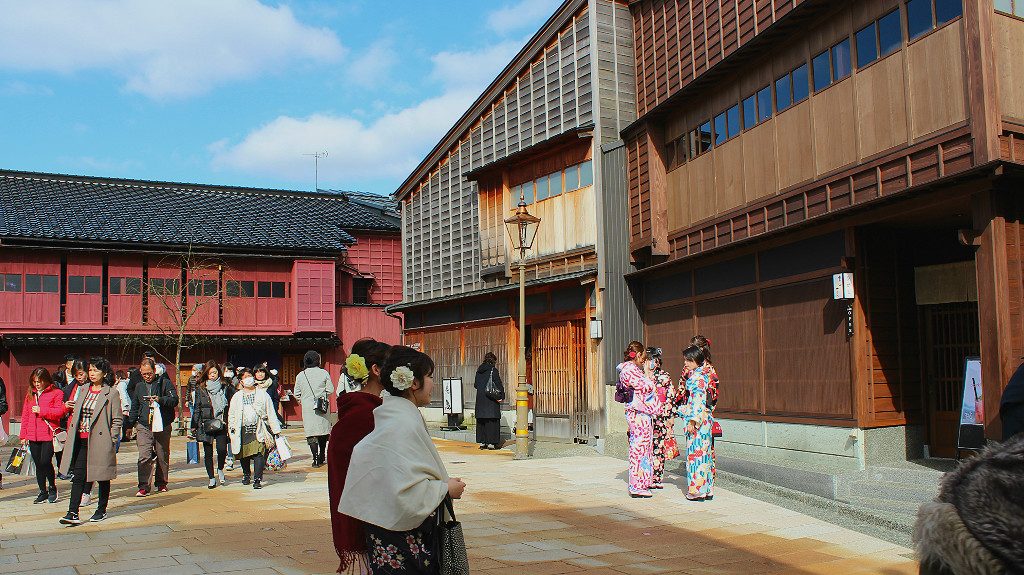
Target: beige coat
x=268, y=427
x=103, y=434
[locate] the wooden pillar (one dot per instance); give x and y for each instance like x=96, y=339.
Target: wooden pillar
x=999, y=262
x=657, y=173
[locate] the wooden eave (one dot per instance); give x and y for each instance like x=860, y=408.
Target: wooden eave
x=538, y=149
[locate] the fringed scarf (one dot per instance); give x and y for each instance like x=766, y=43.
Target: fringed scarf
x=355, y=421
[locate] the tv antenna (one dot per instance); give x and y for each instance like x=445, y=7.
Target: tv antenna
x=316, y=168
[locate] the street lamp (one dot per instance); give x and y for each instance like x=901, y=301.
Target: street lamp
x=522, y=230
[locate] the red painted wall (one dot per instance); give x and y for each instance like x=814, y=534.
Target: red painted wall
x=313, y=282
x=84, y=309
x=381, y=256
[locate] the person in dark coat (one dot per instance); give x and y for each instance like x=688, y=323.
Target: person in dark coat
x=64, y=376
x=488, y=411
x=1011, y=406
x=3, y=410
x=211, y=399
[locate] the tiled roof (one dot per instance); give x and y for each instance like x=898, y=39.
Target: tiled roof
x=75, y=208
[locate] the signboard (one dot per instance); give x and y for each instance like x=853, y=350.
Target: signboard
x=451, y=390
x=842, y=286
x=972, y=412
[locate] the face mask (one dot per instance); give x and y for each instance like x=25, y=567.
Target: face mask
x=249, y=382
x=229, y=374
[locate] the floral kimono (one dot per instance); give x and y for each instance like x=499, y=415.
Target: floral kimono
x=639, y=414
x=664, y=447
x=699, y=465
x=712, y=401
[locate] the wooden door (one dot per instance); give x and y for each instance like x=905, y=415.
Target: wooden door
x=560, y=373
x=291, y=365
x=951, y=335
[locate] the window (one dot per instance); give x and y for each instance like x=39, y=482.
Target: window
x=947, y=10
x=703, y=138
x=361, y=290
x=764, y=103
x=732, y=119
x=1005, y=6
x=572, y=178
x=270, y=290
x=235, y=288
x=84, y=284
x=801, y=84
x=587, y=174
x=1015, y=7
x=841, y=60
x=890, y=38
x=161, y=286
x=42, y=283
x=10, y=282
x=205, y=288
x=542, y=188
x=919, y=18
x=529, y=192
x=866, y=40
x=554, y=184
x=750, y=112
x=822, y=71
x=125, y=286
x=783, y=93
x=721, y=132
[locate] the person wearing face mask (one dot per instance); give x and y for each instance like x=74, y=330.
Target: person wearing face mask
x=209, y=419
x=152, y=393
x=253, y=428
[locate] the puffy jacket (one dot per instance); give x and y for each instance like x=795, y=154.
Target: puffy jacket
x=39, y=426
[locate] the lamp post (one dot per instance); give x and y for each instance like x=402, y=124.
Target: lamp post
x=522, y=230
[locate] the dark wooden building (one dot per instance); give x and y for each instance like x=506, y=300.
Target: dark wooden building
x=782, y=141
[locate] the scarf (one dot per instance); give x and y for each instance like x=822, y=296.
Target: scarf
x=396, y=477
x=355, y=421
x=218, y=400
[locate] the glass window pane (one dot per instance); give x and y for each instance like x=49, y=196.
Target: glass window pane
x=732, y=117
x=172, y=287
x=115, y=286
x=542, y=188
x=783, y=93
x=841, y=60
x=12, y=283
x=721, y=132
x=51, y=284
x=572, y=178
x=890, y=37
x=1004, y=6
x=587, y=174
x=867, y=48
x=801, y=84
x=76, y=284
x=231, y=288
x=248, y=288
x=263, y=289
x=704, y=138
x=822, y=71
x=133, y=286
x=749, y=112
x=193, y=287
x=919, y=17
x=529, y=193
x=277, y=290
x=92, y=284
x=156, y=285
x=946, y=10
x=1018, y=8
x=764, y=104
x=555, y=184
x=691, y=141
x=33, y=283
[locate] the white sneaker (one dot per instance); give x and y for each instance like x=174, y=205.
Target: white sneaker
x=220, y=477
x=86, y=499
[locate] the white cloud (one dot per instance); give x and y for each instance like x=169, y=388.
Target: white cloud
x=19, y=88
x=523, y=13
x=161, y=49
x=475, y=69
x=373, y=67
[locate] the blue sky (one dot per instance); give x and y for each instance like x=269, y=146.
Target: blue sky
x=234, y=92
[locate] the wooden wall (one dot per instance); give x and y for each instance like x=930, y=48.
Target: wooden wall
x=1008, y=41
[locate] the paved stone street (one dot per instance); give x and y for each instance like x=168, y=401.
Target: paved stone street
x=541, y=517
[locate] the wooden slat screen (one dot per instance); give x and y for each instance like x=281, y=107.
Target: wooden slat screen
x=731, y=324
x=559, y=368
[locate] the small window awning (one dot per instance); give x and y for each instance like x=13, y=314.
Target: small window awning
x=570, y=135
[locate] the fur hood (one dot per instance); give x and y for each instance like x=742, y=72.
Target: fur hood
x=976, y=524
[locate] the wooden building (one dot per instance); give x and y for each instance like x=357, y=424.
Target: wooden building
x=782, y=141
x=535, y=133
x=101, y=266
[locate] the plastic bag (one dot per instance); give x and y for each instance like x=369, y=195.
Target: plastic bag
x=284, y=449
x=16, y=460
x=192, y=452
x=158, y=418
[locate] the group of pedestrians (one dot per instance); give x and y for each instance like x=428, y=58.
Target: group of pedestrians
x=652, y=402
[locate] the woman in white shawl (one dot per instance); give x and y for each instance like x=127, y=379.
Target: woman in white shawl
x=396, y=480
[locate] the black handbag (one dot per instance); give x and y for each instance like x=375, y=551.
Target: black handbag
x=214, y=425
x=322, y=405
x=492, y=390
x=450, y=542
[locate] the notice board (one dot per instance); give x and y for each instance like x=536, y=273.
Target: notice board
x=972, y=410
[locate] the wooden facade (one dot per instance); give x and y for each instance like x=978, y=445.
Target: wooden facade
x=896, y=123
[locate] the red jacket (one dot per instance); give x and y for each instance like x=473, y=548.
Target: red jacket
x=51, y=409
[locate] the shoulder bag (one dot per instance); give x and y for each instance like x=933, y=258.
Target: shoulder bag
x=450, y=542
x=60, y=436
x=492, y=390
x=215, y=425
x=322, y=405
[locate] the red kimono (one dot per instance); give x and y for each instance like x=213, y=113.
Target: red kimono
x=355, y=421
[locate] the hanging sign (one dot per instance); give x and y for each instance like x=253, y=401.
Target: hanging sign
x=452, y=395
x=842, y=286
x=972, y=412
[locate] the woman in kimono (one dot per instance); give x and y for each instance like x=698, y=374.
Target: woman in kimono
x=696, y=415
x=681, y=397
x=638, y=374
x=664, y=438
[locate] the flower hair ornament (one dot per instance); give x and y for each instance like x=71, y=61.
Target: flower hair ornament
x=402, y=378
x=355, y=367
x=632, y=355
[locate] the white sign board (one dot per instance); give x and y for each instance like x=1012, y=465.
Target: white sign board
x=452, y=395
x=972, y=412
x=842, y=286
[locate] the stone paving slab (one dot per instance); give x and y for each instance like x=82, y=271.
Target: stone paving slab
x=537, y=517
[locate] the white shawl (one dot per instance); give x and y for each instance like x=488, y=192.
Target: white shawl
x=396, y=477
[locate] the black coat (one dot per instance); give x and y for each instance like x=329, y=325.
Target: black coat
x=202, y=411
x=486, y=408
x=167, y=399
x=3, y=397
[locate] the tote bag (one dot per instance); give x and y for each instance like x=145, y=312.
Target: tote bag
x=158, y=418
x=450, y=541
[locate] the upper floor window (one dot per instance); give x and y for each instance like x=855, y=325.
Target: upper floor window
x=361, y=290
x=42, y=283
x=84, y=284
x=792, y=88
x=925, y=15
x=125, y=286
x=1014, y=7
x=270, y=289
x=235, y=288
x=831, y=65
x=10, y=282
x=205, y=288
x=161, y=286
x=550, y=185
